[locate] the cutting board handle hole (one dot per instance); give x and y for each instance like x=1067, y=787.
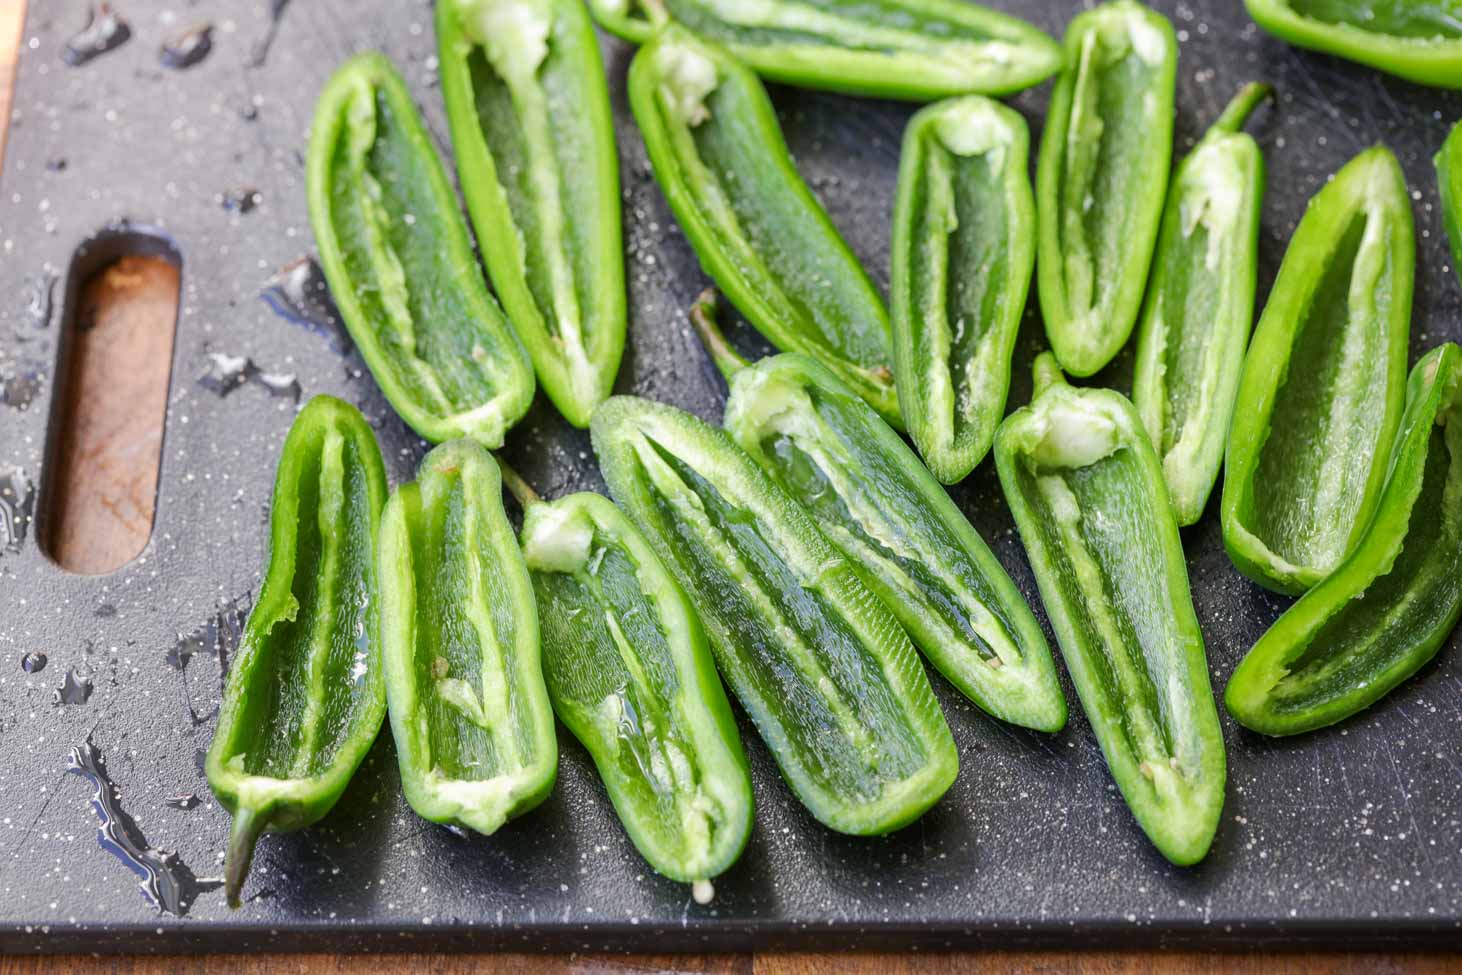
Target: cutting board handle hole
x=98, y=492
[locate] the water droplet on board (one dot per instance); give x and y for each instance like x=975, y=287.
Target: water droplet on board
x=33, y=662
x=227, y=373
x=242, y=199
x=76, y=688
x=260, y=53
x=164, y=879
x=105, y=30
x=298, y=293
x=56, y=164
x=187, y=800
x=105, y=611
x=219, y=636
x=19, y=390
x=40, y=291
x=17, y=501
x=188, y=48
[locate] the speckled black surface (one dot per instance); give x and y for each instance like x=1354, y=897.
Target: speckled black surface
x=1348, y=837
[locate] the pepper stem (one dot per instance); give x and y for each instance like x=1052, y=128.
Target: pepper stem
x=656, y=12
x=703, y=317
x=520, y=489
x=1047, y=373
x=247, y=827
x=1242, y=105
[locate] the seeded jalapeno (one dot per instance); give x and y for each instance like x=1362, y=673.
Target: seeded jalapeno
x=963, y=247
x=1418, y=41
x=826, y=673
x=469, y=712
x=1200, y=305
x=630, y=675
x=534, y=138
x=1101, y=179
x=870, y=496
x=1323, y=383
x=395, y=251
x=1087, y=492
x=718, y=154
x=304, y=698
x=1388, y=608
x=1448, y=162
x=919, y=49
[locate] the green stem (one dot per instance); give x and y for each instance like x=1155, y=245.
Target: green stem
x=656, y=13
x=1047, y=373
x=1242, y=104
x=248, y=826
x=520, y=489
x=703, y=317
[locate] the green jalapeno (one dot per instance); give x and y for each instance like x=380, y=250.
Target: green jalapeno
x=870, y=496
x=962, y=253
x=1324, y=382
x=826, y=673
x=304, y=698
x=919, y=49
x=469, y=713
x=534, y=138
x=718, y=154
x=1448, y=162
x=629, y=674
x=1087, y=492
x=1200, y=305
x=1421, y=42
x=1102, y=177
x=1388, y=608
x=397, y=256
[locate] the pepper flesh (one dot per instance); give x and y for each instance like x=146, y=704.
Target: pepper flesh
x=469, y=712
x=1390, y=605
x=630, y=675
x=1200, y=305
x=304, y=698
x=529, y=112
x=1323, y=383
x=1102, y=177
x=828, y=677
x=1087, y=492
x=718, y=154
x=962, y=253
x=396, y=253
x=1421, y=42
x=870, y=496
x=1448, y=162
x=918, y=49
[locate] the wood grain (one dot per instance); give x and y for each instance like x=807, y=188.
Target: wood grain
x=147, y=290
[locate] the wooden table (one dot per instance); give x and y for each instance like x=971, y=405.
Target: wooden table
x=135, y=308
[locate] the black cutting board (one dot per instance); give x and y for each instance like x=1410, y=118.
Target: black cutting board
x=1346, y=837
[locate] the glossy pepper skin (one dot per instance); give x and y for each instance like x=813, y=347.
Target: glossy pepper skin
x=827, y=675
x=1448, y=162
x=1101, y=179
x=870, y=496
x=629, y=673
x=1200, y=305
x=1421, y=42
x=916, y=49
x=469, y=712
x=409, y=290
x=1087, y=492
x=960, y=270
x=304, y=698
x=533, y=136
x=719, y=157
x=1389, y=607
x=1324, y=382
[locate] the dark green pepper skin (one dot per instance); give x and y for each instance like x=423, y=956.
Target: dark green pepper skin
x=870, y=496
x=718, y=155
x=304, y=698
x=1200, y=305
x=1389, y=607
x=960, y=270
x=528, y=106
x=396, y=253
x=826, y=673
x=1106, y=152
x=469, y=712
x=1324, y=382
x=915, y=49
x=1421, y=42
x=630, y=675
x=1448, y=162
x=1087, y=492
